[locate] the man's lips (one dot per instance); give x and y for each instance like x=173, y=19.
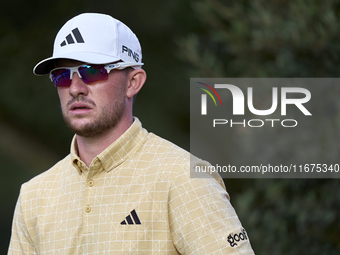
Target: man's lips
x=80, y=108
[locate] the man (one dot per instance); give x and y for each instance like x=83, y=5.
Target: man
x=121, y=190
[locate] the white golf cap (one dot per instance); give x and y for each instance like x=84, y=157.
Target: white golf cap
x=93, y=38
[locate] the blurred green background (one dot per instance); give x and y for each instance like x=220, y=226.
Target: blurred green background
x=180, y=39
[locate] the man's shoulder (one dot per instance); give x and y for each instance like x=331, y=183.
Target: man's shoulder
x=178, y=161
x=164, y=149
x=168, y=153
x=50, y=175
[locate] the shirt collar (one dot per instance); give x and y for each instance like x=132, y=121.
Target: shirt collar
x=117, y=152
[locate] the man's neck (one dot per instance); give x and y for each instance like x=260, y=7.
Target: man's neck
x=91, y=147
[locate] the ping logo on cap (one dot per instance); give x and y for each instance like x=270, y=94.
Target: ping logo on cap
x=70, y=39
x=130, y=53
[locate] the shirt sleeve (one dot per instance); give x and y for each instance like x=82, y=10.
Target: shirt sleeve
x=202, y=220
x=21, y=242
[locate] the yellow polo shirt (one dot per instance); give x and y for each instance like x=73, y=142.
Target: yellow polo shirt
x=136, y=197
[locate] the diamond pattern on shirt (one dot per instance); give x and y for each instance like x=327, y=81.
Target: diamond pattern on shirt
x=139, y=175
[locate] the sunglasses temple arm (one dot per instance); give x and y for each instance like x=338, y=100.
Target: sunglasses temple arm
x=121, y=66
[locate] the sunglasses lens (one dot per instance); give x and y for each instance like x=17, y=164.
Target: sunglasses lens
x=61, y=77
x=93, y=73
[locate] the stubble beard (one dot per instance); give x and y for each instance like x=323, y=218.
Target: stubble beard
x=108, y=118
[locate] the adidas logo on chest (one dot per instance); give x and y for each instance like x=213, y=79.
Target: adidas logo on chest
x=131, y=219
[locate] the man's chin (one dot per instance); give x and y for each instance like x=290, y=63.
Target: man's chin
x=80, y=126
x=89, y=129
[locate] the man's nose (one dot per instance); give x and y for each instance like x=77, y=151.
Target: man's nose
x=78, y=86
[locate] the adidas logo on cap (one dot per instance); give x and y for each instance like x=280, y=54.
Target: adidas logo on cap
x=129, y=221
x=69, y=39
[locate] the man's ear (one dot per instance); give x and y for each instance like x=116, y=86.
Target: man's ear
x=136, y=80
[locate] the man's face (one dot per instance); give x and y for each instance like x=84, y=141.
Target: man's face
x=92, y=110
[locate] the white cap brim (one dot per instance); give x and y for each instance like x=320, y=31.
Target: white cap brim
x=46, y=65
